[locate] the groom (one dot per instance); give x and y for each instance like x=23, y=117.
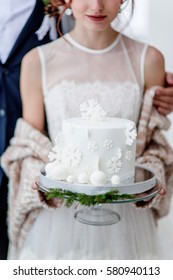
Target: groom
x=19, y=20
x=23, y=26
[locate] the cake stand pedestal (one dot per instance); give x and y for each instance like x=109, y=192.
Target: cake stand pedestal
x=100, y=215
x=144, y=188
x=97, y=215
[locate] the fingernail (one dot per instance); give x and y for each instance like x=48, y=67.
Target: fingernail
x=157, y=91
x=162, y=191
x=170, y=77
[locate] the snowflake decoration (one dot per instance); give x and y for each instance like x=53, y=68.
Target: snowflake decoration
x=87, y=170
x=129, y=155
x=55, y=154
x=93, y=147
x=92, y=111
x=72, y=156
x=130, y=133
x=59, y=139
x=114, y=165
x=108, y=144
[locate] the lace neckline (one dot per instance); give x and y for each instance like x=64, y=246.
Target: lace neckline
x=92, y=51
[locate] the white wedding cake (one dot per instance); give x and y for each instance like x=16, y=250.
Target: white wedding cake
x=94, y=149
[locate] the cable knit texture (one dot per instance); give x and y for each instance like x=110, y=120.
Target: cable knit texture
x=28, y=153
x=22, y=161
x=154, y=151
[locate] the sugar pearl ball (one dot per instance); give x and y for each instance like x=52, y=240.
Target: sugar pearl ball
x=49, y=167
x=83, y=178
x=115, y=180
x=70, y=179
x=58, y=172
x=98, y=178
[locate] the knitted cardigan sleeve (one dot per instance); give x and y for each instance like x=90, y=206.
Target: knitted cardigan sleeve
x=22, y=161
x=154, y=151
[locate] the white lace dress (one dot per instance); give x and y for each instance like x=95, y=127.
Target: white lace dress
x=72, y=74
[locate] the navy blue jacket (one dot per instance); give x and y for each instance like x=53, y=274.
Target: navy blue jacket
x=10, y=100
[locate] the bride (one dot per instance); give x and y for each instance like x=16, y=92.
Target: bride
x=92, y=61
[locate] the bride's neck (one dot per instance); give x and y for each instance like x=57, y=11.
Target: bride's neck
x=94, y=40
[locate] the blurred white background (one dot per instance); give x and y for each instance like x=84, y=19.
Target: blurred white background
x=152, y=22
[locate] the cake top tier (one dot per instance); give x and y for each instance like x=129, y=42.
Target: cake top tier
x=94, y=149
x=107, y=123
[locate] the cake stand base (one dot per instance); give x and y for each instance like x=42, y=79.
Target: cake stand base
x=97, y=216
x=145, y=187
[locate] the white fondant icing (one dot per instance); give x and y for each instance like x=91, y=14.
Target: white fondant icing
x=71, y=156
x=108, y=144
x=83, y=178
x=119, y=153
x=101, y=159
x=59, y=139
x=87, y=171
x=115, y=179
x=49, y=166
x=58, y=172
x=114, y=165
x=130, y=133
x=129, y=155
x=98, y=178
x=92, y=147
x=55, y=154
x=70, y=179
x=74, y=154
x=97, y=163
x=71, y=129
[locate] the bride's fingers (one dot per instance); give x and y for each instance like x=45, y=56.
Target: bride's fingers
x=162, y=188
x=143, y=203
x=35, y=186
x=162, y=191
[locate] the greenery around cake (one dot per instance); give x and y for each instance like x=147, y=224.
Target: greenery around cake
x=84, y=199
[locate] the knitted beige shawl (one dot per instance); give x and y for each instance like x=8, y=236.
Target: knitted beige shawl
x=28, y=153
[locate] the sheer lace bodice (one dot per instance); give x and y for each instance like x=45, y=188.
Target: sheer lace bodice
x=73, y=74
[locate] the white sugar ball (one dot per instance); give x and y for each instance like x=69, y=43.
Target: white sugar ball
x=115, y=180
x=83, y=178
x=98, y=178
x=70, y=179
x=58, y=172
x=49, y=167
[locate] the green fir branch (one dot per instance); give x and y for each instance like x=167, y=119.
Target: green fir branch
x=85, y=199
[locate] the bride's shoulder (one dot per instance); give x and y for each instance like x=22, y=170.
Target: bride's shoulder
x=132, y=42
x=57, y=44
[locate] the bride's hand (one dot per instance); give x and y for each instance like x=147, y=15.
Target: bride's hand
x=53, y=202
x=147, y=203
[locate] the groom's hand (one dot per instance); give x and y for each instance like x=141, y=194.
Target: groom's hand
x=163, y=99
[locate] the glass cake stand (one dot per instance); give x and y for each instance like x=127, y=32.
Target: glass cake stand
x=143, y=188
x=100, y=215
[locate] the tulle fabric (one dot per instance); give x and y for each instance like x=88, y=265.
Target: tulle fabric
x=165, y=235
x=57, y=235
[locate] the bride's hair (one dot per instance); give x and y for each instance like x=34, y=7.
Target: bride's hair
x=53, y=9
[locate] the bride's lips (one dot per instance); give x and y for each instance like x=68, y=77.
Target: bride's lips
x=97, y=18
